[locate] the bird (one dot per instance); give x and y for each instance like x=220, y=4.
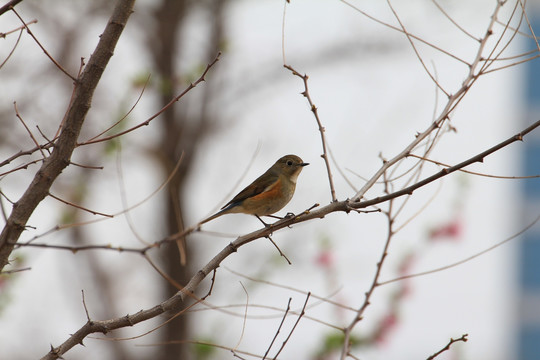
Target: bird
x=269, y=193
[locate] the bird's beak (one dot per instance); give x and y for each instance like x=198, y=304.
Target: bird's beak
x=304, y=164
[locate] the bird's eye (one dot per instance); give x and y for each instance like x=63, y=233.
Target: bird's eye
x=289, y=162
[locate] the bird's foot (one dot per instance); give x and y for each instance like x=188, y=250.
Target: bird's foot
x=289, y=215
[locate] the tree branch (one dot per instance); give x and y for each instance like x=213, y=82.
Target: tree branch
x=452, y=102
x=447, y=347
x=9, y=6
x=315, y=112
x=174, y=302
x=67, y=141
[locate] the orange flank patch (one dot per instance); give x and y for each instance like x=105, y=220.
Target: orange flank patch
x=267, y=202
x=272, y=199
x=270, y=193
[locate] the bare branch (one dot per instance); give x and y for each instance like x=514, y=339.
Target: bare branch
x=279, y=328
x=127, y=114
x=21, y=167
x=80, y=207
x=477, y=158
x=163, y=109
x=447, y=347
x=76, y=115
x=43, y=48
x=278, y=249
x=246, y=307
x=19, y=28
x=415, y=49
x=85, y=308
x=375, y=282
x=533, y=35
x=325, y=299
x=467, y=259
x=474, y=172
x=9, y=6
x=324, y=155
x=453, y=21
x=18, y=115
x=8, y=272
x=415, y=37
x=3, y=35
x=24, y=153
x=76, y=249
x=294, y=327
x=452, y=102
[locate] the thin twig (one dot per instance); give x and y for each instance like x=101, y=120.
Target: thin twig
x=467, y=259
x=19, y=28
x=181, y=312
x=85, y=308
x=80, y=207
x=294, y=327
x=163, y=109
x=43, y=48
x=91, y=167
x=76, y=249
x=163, y=274
x=474, y=172
x=490, y=60
x=453, y=21
x=21, y=167
x=230, y=194
x=67, y=226
x=290, y=288
x=123, y=196
x=8, y=272
x=421, y=210
x=246, y=307
x=512, y=64
x=211, y=307
x=533, y=35
x=477, y=158
x=24, y=153
x=415, y=37
x=374, y=283
x=18, y=115
x=283, y=31
x=452, y=102
x=278, y=249
x=278, y=329
x=3, y=35
x=314, y=110
x=340, y=171
x=129, y=319
x=447, y=347
x=409, y=38
x=127, y=114
x=212, y=282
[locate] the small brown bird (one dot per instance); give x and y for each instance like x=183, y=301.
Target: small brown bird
x=269, y=193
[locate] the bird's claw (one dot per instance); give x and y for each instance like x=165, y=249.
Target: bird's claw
x=289, y=215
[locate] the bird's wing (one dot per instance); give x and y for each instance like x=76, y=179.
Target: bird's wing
x=255, y=188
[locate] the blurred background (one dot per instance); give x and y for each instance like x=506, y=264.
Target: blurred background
x=373, y=96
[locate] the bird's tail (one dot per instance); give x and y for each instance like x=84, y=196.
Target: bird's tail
x=216, y=215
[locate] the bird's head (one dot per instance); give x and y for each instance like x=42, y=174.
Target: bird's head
x=290, y=166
